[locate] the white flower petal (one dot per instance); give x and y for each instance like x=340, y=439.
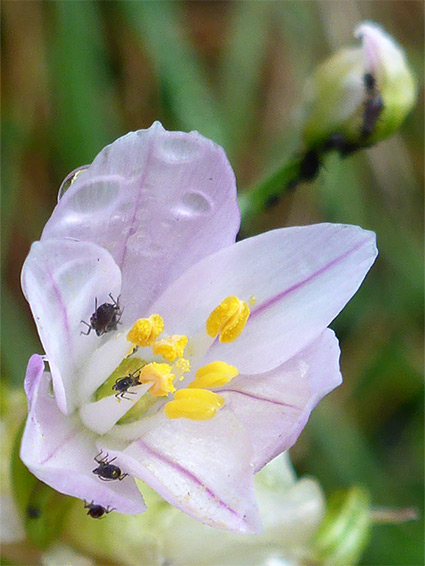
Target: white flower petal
x=158, y=201
x=283, y=398
x=58, y=450
x=61, y=279
x=200, y=467
x=300, y=279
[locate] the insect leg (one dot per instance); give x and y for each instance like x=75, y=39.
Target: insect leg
x=87, y=324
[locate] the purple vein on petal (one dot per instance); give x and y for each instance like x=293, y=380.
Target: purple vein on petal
x=257, y=398
x=132, y=229
x=74, y=432
x=188, y=475
x=298, y=285
x=61, y=306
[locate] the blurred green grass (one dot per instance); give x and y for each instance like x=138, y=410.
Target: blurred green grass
x=78, y=74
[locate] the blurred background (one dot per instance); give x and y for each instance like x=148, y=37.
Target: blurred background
x=77, y=75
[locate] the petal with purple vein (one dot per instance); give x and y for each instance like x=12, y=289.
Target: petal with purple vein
x=275, y=406
x=300, y=279
x=158, y=201
x=60, y=452
x=203, y=468
x=61, y=279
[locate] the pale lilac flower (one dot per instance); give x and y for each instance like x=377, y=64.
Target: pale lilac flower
x=153, y=221
x=291, y=511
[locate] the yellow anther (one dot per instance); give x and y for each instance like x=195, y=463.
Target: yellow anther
x=214, y=374
x=146, y=330
x=252, y=300
x=170, y=348
x=161, y=376
x=228, y=319
x=194, y=404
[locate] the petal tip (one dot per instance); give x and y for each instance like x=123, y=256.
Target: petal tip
x=367, y=27
x=156, y=126
x=33, y=375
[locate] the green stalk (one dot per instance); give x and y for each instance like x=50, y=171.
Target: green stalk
x=268, y=191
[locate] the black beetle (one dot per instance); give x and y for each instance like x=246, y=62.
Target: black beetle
x=96, y=511
x=122, y=384
x=369, y=82
x=372, y=110
x=33, y=512
x=373, y=105
x=105, y=318
x=310, y=165
x=106, y=470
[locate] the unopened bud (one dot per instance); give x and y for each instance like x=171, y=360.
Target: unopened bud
x=344, y=532
x=360, y=95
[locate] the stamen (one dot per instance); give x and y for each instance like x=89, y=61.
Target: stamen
x=228, y=319
x=170, y=348
x=194, y=404
x=214, y=374
x=161, y=376
x=146, y=330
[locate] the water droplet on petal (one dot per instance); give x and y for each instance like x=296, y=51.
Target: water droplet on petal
x=69, y=179
x=194, y=203
x=95, y=196
x=180, y=148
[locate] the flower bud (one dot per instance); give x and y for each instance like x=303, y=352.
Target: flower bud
x=359, y=96
x=344, y=532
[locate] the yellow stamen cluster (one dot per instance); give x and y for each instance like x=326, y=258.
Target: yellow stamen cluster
x=194, y=404
x=170, y=348
x=228, y=319
x=146, y=330
x=215, y=374
x=161, y=376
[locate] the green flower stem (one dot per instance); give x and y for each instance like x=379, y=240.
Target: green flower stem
x=386, y=515
x=303, y=166
x=267, y=192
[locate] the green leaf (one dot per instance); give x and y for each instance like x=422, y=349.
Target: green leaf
x=267, y=191
x=241, y=69
x=43, y=509
x=86, y=120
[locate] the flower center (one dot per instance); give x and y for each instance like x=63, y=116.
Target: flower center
x=168, y=366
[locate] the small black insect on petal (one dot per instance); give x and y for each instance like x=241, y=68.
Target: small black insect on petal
x=105, y=318
x=106, y=470
x=96, y=511
x=122, y=384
